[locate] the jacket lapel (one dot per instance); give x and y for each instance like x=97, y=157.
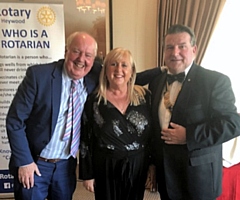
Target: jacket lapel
x=182, y=100
x=56, y=87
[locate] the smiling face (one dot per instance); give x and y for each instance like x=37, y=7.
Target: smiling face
x=119, y=71
x=178, y=52
x=80, y=55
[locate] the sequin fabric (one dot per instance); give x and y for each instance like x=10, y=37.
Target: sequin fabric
x=133, y=146
x=111, y=130
x=98, y=118
x=138, y=120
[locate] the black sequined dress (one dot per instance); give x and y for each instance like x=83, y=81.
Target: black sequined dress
x=114, y=149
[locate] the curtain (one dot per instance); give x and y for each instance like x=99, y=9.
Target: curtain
x=200, y=15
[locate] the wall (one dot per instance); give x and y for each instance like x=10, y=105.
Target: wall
x=134, y=26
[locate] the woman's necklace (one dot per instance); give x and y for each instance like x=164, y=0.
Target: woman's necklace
x=120, y=101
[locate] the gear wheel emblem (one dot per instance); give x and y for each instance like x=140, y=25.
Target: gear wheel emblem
x=46, y=16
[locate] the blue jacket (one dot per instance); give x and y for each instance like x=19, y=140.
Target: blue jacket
x=33, y=114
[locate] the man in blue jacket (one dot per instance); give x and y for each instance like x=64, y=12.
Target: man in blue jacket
x=41, y=161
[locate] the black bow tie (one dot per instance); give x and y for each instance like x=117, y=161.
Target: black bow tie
x=177, y=77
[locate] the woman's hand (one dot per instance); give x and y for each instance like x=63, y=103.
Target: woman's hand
x=89, y=185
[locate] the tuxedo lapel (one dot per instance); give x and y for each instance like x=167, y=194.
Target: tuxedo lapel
x=182, y=100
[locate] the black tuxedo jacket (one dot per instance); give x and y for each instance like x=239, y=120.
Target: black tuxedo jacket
x=205, y=107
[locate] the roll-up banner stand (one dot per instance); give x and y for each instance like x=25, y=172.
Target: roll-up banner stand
x=30, y=33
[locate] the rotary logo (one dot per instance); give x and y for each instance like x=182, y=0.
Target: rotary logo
x=46, y=16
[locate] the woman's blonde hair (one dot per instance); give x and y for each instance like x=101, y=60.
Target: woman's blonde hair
x=135, y=93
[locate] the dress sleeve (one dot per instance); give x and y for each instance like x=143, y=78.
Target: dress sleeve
x=86, y=141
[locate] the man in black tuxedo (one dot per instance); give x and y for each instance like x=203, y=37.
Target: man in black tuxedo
x=193, y=114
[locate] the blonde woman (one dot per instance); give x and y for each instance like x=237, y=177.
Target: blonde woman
x=115, y=134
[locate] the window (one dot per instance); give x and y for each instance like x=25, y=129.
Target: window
x=223, y=52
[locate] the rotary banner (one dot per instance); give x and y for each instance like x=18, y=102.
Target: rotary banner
x=30, y=33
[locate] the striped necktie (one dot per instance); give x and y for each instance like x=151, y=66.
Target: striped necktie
x=73, y=119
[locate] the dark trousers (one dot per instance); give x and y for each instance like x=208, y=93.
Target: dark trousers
x=57, y=182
